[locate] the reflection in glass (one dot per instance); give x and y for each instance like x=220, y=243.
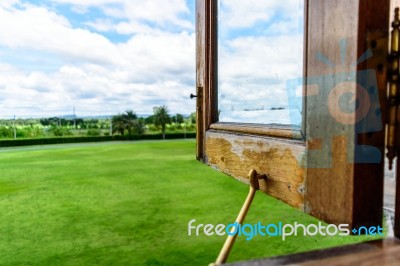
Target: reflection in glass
x=260, y=48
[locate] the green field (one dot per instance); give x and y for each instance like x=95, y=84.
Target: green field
x=129, y=204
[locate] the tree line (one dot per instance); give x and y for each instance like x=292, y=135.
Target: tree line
x=130, y=122
x=127, y=123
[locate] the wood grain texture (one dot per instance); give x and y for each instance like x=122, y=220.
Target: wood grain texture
x=373, y=34
x=211, y=104
x=200, y=75
x=200, y=42
x=206, y=68
x=394, y=4
x=380, y=252
x=257, y=129
x=280, y=160
x=344, y=192
x=330, y=190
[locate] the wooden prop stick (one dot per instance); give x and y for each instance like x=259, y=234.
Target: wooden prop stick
x=254, y=186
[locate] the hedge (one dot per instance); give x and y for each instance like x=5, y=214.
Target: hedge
x=63, y=140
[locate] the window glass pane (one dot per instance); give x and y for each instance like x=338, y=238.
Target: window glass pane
x=260, y=49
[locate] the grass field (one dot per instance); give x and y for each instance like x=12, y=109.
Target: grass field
x=129, y=204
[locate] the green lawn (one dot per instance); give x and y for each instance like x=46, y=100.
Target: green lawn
x=129, y=204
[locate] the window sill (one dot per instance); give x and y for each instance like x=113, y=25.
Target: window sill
x=272, y=130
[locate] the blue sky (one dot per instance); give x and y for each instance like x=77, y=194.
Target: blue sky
x=108, y=56
x=101, y=56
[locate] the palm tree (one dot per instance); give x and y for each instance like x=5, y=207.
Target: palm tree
x=161, y=117
x=127, y=121
x=130, y=120
x=118, y=124
x=140, y=126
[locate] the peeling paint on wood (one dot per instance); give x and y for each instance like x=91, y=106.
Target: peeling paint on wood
x=280, y=160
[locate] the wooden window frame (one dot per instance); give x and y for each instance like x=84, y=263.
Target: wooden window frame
x=340, y=194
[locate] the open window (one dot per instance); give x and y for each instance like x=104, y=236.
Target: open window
x=329, y=159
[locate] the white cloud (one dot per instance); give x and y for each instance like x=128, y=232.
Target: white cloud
x=123, y=28
x=80, y=9
x=159, y=11
x=133, y=27
x=6, y=68
x=39, y=29
x=155, y=66
x=244, y=14
x=255, y=70
x=261, y=47
x=8, y=3
x=164, y=53
x=99, y=76
x=261, y=57
x=135, y=11
x=92, y=89
x=102, y=25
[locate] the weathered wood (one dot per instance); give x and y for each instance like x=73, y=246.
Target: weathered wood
x=373, y=34
x=206, y=68
x=279, y=159
x=257, y=129
x=200, y=42
x=211, y=105
x=329, y=189
x=380, y=252
x=200, y=75
x=344, y=192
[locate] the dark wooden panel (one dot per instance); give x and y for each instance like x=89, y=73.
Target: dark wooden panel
x=200, y=74
x=211, y=94
x=206, y=68
x=373, y=34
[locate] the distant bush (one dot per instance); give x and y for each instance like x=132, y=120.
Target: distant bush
x=64, y=140
x=93, y=132
x=60, y=131
x=30, y=132
x=6, y=132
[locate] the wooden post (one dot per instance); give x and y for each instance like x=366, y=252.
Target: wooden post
x=343, y=30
